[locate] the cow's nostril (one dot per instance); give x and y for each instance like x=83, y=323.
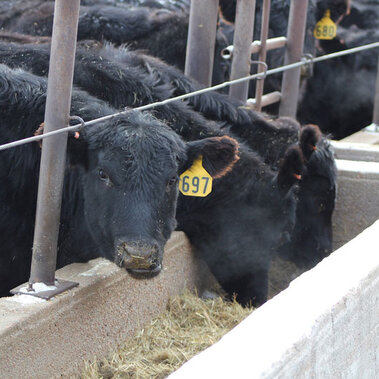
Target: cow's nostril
x=138, y=256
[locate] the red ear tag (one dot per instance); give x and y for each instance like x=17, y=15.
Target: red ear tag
x=77, y=135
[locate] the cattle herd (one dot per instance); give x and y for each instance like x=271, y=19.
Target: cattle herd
x=273, y=178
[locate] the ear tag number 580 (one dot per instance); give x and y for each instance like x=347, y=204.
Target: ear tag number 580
x=325, y=28
x=196, y=181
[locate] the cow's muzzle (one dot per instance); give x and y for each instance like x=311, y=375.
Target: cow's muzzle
x=139, y=258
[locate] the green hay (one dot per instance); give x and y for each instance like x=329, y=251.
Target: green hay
x=188, y=326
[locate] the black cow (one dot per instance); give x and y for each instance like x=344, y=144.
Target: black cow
x=252, y=197
x=129, y=78
x=120, y=188
x=344, y=87
x=140, y=82
x=237, y=230
x=157, y=4
x=161, y=32
x=311, y=238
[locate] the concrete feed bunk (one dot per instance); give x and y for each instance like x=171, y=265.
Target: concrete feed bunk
x=50, y=339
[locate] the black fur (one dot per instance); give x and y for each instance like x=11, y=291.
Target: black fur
x=120, y=188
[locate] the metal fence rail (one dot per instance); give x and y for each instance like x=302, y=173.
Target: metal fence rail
x=293, y=53
x=243, y=36
x=53, y=155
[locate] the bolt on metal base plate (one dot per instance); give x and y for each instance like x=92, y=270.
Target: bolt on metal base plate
x=59, y=287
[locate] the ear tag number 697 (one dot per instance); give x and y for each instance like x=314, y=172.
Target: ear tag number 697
x=196, y=181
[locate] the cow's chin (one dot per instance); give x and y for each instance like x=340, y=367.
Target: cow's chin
x=140, y=273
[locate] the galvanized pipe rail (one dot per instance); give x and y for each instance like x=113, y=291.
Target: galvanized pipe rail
x=243, y=36
x=201, y=40
x=255, y=47
x=375, y=119
x=262, y=52
x=273, y=71
x=293, y=53
x=267, y=99
x=53, y=156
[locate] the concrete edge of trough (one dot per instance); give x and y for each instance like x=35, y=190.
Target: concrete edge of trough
x=367, y=135
x=356, y=151
x=352, y=168
x=40, y=339
x=325, y=325
x=357, y=204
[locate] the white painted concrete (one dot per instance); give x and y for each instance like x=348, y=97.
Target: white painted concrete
x=325, y=325
x=357, y=203
x=356, y=151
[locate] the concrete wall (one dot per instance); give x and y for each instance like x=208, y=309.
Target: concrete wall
x=356, y=151
x=46, y=339
x=325, y=325
x=357, y=204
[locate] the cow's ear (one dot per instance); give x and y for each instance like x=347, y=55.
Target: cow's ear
x=219, y=154
x=291, y=168
x=77, y=150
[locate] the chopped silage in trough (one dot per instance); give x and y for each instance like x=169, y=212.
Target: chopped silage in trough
x=188, y=326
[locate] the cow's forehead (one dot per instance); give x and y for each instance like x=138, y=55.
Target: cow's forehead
x=133, y=133
x=138, y=145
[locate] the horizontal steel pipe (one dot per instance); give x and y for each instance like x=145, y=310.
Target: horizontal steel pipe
x=268, y=99
x=255, y=47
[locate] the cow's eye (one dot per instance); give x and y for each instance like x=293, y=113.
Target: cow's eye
x=103, y=175
x=172, y=181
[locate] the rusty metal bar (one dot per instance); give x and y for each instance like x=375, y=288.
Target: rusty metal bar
x=53, y=157
x=375, y=118
x=262, y=54
x=201, y=40
x=268, y=99
x=243, y=36
x=294, y=51
x=255, y=47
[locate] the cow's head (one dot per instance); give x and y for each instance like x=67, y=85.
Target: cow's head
x=315, y=207
x=130, y=167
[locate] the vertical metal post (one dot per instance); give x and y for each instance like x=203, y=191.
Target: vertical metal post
x=375, y=118
x=262, y=53
x=243, y=37
x=201, y=40
x=294, y=51
x=66, y=15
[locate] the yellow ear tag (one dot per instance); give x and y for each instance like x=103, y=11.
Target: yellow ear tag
x=196, y=181
x=325, y=28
